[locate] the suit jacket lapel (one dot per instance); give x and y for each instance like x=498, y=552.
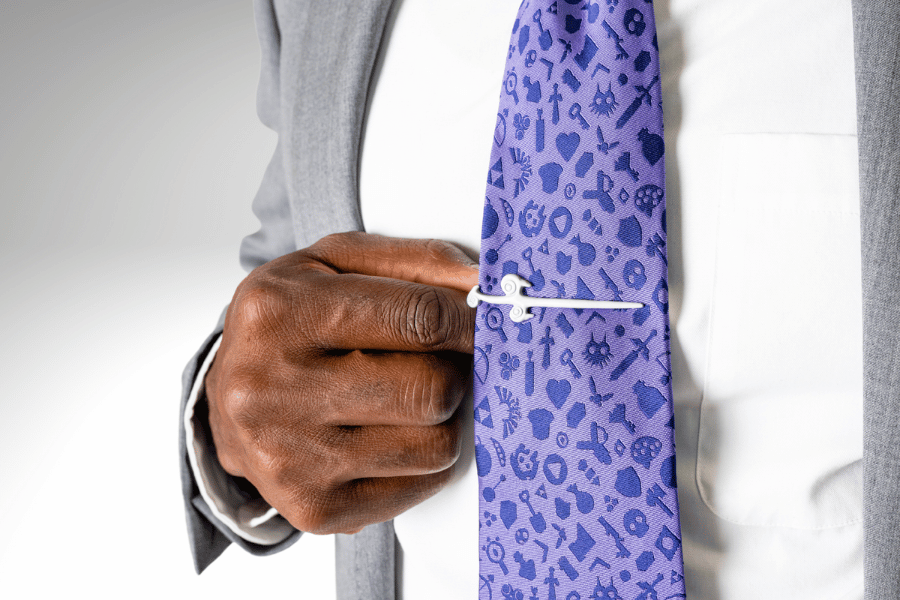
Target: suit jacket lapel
x=877, y=47
x=326, y=76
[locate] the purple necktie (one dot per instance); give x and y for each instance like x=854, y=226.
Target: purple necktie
x=573, y=407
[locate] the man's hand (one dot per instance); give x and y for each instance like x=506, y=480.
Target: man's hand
x=337, y=385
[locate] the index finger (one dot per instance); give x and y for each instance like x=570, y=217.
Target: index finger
x=432, y=262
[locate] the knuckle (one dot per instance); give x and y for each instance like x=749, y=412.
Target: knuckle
x=441, y=250
x=436, y=393
x=244, y=396
x=258, y=306
x=445, y=257
x=333, y=244
x=441, y=478
x=327, y=510
x=430, y=484
x=426, y=319
x=446, y=447
x=312, y=513
x=439, y=450
x=237, y=402
x=339, y=239
x=269, y=463
x=230, y=464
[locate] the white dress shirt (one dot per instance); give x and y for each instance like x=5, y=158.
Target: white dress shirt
x=764, y=283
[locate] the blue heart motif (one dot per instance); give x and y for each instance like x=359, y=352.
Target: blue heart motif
x=628, y=483
x=558, y=391
x=630, y=232
x=567, y=145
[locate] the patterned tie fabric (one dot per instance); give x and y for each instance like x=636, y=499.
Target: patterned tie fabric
x=573, y=413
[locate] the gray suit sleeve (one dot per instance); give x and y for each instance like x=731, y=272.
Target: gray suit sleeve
x=208, y=536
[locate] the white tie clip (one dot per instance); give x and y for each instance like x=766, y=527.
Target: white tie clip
x=513, y=286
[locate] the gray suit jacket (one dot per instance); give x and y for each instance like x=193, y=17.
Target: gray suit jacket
x=317, y=68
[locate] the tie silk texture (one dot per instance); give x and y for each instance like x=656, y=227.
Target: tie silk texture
x=573, y=413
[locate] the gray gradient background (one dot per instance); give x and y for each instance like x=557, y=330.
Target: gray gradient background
x=129, y=155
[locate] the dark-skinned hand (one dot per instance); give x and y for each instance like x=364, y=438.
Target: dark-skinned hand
x=336, y=389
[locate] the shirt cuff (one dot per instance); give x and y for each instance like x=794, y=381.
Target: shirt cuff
x=253, y=519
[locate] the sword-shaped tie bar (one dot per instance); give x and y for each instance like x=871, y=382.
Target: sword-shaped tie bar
x=513, y=286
